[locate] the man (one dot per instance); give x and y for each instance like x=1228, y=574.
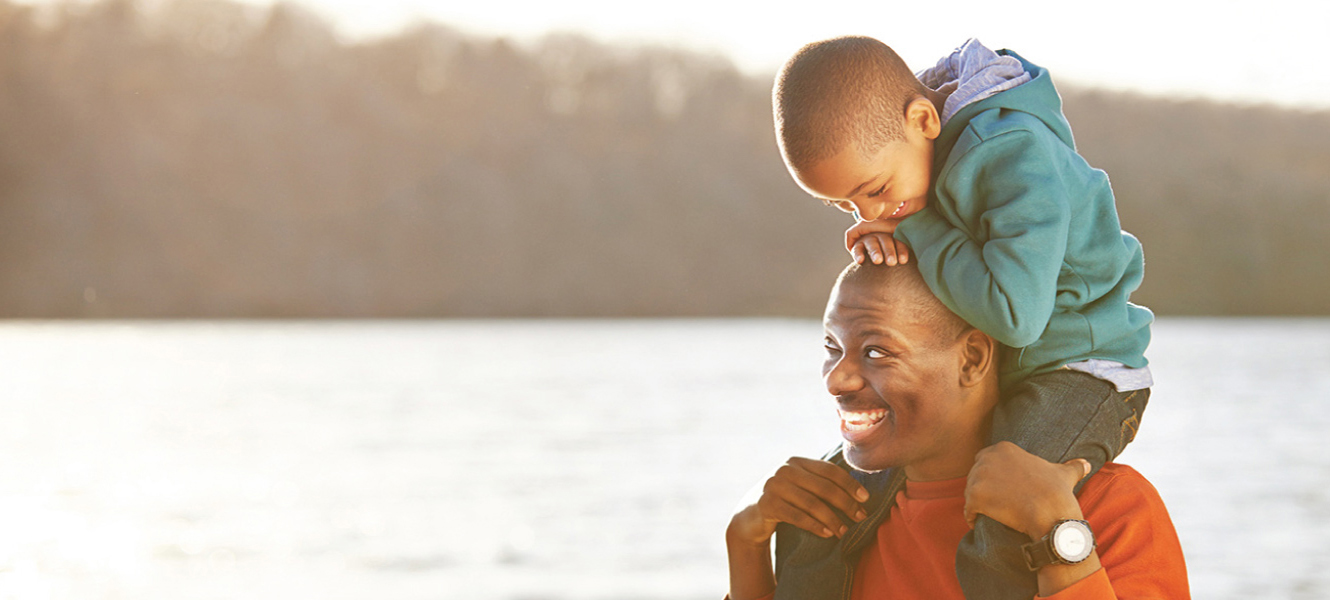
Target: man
x=882, y=517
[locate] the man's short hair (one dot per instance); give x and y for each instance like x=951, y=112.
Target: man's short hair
x=844, y=90
x=906, y=283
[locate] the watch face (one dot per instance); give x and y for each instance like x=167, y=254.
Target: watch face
x=1073, y=541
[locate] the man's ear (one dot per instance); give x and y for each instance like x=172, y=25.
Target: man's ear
x=978, y=357
x=921, y=115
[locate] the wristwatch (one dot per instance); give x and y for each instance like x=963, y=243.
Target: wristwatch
x=1070, y=542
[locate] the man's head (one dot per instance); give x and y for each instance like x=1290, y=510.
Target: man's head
x=915, y=384
x=856, y=127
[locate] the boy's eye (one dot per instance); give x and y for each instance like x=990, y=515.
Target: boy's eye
x=878, y=192
x=842, y=205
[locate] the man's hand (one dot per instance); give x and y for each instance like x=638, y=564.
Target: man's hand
x=1021, y=490
x=1029, y=494
x=872, y=240
x=801, y=493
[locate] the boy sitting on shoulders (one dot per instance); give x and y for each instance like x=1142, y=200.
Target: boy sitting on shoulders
x=971, y=167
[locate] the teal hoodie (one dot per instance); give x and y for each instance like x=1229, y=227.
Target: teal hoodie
x=1021, y=236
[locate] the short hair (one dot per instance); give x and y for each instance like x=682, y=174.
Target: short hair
x=906, y=282
x=844, y=90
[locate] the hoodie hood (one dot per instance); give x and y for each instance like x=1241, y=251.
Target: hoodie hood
x=1036, y=97
x=972, y=73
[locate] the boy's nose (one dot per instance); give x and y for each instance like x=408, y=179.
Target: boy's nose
x=864, y=212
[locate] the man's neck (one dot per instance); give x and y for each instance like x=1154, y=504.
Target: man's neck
x=955, y=463
x=958, y=457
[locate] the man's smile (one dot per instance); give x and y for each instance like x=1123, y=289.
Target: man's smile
x=861, y=420
x=858, y=424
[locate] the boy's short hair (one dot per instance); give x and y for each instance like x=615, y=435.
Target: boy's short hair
x=850, y=89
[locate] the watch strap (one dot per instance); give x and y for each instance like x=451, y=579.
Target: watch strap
x=1039, y=553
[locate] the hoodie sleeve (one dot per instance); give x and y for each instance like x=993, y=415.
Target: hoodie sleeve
x=995, y=263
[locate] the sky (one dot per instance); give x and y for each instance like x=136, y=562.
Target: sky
x=1240, y=51
x=1237, y=51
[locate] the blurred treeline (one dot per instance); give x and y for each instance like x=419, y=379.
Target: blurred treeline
x=203, y=158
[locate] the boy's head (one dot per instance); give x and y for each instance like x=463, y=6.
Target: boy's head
x=856, y=127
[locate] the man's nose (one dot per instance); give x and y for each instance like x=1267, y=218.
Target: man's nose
x=843, y=377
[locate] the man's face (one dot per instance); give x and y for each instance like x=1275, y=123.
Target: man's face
x=893, y=184
x=898, y=387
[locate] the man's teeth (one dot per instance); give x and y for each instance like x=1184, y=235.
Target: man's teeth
x=862, y=419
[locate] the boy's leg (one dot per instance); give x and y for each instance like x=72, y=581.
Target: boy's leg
x=1059, y=416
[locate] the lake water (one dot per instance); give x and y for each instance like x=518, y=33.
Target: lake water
x=525, y=460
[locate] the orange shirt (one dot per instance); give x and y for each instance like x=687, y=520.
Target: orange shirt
x=914, y=554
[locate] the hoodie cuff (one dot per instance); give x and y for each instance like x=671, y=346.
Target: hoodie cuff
x=922, y=229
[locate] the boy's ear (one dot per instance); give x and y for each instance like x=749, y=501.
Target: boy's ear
x=922, y=115
x=978, y=357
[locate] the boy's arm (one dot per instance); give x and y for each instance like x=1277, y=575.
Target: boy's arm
x=1000, y=272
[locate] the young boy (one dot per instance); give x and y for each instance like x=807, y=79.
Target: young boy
x=971, y=167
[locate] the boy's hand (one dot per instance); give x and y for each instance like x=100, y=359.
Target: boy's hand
x=872, y=240
x=801, y=493
x=1021, y=490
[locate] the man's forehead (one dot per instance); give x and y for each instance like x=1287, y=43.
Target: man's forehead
x=880, y=318
x=896, y=295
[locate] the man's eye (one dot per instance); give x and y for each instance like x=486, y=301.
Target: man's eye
x=877, y=353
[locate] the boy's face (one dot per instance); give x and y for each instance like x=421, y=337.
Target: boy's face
x=890, y=185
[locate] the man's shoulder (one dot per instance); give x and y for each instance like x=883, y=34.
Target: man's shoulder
x=1119, y=489
x=1115, y=476
x=1137, y=542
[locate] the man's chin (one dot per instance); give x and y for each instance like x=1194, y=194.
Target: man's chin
x=865, y=461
